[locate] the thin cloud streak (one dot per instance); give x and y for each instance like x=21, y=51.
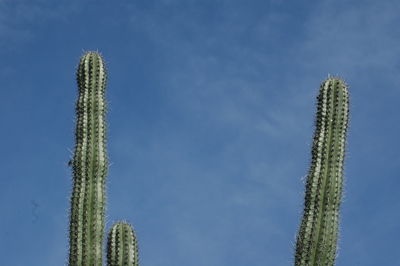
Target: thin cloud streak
x=20, y=19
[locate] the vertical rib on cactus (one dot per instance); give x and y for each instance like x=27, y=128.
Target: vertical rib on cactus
x=89, y=164
x=317, y=236
x=122, y=248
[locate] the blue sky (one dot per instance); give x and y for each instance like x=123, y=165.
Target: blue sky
x=211, y=112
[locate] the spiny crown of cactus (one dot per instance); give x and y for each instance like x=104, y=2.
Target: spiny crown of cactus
x=317, y=237
x=90, y=165
x=122, y=248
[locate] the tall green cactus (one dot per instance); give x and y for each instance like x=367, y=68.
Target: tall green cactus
x=89, y=165
x=317, y=236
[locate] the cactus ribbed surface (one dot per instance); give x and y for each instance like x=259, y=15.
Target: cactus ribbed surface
x=89, y=165
x=122, y=248
x=317, y=237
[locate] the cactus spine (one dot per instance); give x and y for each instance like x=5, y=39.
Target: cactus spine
x=317, y=236
x=122, y=248
x=89, y=164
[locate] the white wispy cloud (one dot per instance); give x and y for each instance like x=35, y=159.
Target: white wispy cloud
x=352, y=38
x=221, y=82
x=20, y=18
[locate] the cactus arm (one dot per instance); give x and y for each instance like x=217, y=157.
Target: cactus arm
x=89, y=164
x=122, y=248
x=317, y=237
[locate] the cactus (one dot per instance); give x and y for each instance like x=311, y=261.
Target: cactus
x=89, y=165
x=122, y=246
x=317, y=237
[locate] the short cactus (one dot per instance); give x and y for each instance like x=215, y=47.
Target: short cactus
x=122, y=248
x=317, y=237
x=89, y=164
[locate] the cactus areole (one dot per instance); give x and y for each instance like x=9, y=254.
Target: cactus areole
x=317, y=237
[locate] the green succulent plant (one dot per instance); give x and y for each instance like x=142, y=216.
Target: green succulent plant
x=122, y=246
x=90, y=166
x=317, y=237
